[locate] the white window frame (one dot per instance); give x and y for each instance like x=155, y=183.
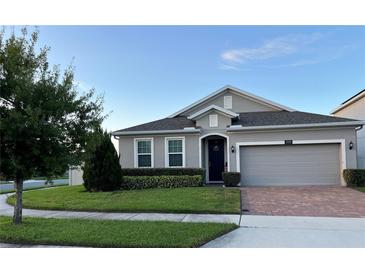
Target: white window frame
x=136, y=140
x=167, y=139
x=227, y=102
x=213, y=120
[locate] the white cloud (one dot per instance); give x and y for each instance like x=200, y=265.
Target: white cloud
x=280, y=46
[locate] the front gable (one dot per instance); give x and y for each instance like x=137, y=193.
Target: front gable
x=234, y=100
x=213, y=120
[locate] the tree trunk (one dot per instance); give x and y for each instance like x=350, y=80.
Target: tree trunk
x=18, y=208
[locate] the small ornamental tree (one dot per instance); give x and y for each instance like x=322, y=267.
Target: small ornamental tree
x=44, y=123
x=102, y=171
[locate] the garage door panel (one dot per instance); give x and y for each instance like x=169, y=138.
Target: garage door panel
x=290, y=165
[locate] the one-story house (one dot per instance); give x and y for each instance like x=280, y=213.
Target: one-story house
x=354, y=108
x=234, y=130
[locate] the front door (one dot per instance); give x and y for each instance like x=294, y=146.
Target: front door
x=216, y=159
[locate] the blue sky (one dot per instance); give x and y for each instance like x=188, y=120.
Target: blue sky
x=147, y=73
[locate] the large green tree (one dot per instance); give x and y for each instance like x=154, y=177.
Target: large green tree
x=45, y=123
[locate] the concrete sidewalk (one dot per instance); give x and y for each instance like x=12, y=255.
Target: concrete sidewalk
x=299, y=232
x=7, y=210
x=29, y=184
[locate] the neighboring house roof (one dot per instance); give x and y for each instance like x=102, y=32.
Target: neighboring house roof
x=219, y=109
x=270, y=118
x=177, y=123
x=349, y=101
x=237, y=91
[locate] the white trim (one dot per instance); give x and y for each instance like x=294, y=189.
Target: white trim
x=228, y=148
x=227, y=112
x=333, y=124
x=227, y=102
x=342, y=143
x=135, y=140
x=167, y=151
x=148, y=132
x=349, y=102
x=238, y=92
x=213, y=120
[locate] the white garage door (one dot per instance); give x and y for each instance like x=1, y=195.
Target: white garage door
x=290, y=165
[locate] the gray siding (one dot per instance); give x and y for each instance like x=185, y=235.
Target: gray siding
x=239, y=104
x=356, y=111
x=126, y=150
x=292, y=165
x=280, y=135
x=223, y=122
x=126, y=144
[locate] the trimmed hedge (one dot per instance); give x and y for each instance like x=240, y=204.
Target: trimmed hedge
x=231, y=178
x=163, y=171
x=164, y=181
x=354, y=177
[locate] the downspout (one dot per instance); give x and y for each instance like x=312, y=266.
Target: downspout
x=356, y=130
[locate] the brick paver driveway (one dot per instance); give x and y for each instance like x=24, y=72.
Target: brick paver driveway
x=321, y=201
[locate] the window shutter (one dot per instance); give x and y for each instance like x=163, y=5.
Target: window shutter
x=228, y=102
x=213, y=120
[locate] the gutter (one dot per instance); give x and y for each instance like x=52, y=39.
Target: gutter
x=316, y=125
x=359, y=128
x=155, y=132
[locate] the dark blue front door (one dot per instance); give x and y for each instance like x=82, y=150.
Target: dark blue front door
x=216, y=159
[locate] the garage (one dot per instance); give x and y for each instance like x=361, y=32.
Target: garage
x=290, y=165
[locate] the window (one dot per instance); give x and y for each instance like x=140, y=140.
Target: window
x=175, y=152
x=143, y=153
x=213, y=120
x=228, y=102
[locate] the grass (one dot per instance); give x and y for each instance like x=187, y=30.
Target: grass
x=169, y=200
x=32, y=188
x=107, y=233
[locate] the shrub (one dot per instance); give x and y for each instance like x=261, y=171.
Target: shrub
x=164, y=181
x=163, y=171
x=354, y=177
x=102, y=171
x=231, y=178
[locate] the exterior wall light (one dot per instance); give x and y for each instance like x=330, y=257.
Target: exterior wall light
x=351, y=145
x=232, y=149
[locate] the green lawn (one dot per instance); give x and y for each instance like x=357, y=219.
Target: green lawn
x=97, y=233
x=177, y=200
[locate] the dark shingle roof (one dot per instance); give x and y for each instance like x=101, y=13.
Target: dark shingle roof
x=271, y=118
x=246, y=119
x=179, y=122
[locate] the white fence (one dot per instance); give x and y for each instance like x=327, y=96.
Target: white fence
x=75, y=176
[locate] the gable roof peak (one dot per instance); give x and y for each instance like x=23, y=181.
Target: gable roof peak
x=221, y=110
x=238, y=92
